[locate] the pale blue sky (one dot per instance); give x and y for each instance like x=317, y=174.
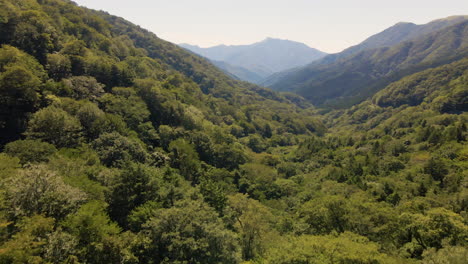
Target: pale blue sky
x=329, y=25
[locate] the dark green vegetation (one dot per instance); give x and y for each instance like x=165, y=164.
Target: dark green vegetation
x=118, y=147
x=256, y=62
x=343, y=79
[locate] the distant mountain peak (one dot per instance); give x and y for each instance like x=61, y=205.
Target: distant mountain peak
x=345, y=76
x=261, y=58
x=403, y=23
x=268, y=39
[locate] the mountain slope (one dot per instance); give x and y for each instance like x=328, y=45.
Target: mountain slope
x=357, y=76
x=119, y=147
x=238, y=72
x=402, y=31
x=439, y=90
x=262, y=58
x=108, y=48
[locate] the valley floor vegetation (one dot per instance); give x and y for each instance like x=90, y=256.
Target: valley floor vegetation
x=119, y=147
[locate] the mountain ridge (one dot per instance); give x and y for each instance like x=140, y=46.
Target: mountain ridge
x=119, y=147
x=343, y=74
x=262, y=58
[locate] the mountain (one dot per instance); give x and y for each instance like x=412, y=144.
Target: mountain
x=238, y=72
x=402, y=31
x=438, y=90
x=261, y=59
x=119, y=147
x=351, y=78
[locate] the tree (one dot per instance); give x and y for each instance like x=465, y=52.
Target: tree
x=61, y=247
x=189, y=232
x=258, y=181
x=126, y=103
x=97, y=235
x=8, y=166
x=422, y=189
x=19, y=87
x=437, y=226
x=58, y=66
x=446, y=255
x=26, y=246
x=345, y=248
x=257, y=143
x=55, y=126
x=437, y=169
x=93, y=120
x=19, y=95
x=185, y=158
x=114, y=149
x=252, y=221
x=38, y=190
x=136, y=185
x=84, y=87
x=326, y=214
x=213, y=194
x=34, y=34
x=30, y=150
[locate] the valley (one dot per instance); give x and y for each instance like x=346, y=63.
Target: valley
x=120, y=147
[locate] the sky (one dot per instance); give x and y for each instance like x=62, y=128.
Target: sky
x=328, y=25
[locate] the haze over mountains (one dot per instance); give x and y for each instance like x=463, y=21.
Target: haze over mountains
x=359, y=71
x=257, y=61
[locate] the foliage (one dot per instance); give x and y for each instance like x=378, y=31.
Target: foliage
x=30, y=150
x=37, y=190
x=340, y=80
x=192, y=232
x=119, y=147
x=55, y=126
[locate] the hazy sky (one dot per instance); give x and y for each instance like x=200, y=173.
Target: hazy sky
x=329, y=25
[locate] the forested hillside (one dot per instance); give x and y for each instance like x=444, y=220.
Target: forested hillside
x=397, y=34
x=351, y=76
x=120, y=147
x=238, y=72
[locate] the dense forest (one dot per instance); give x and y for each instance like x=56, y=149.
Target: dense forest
x=120, y=147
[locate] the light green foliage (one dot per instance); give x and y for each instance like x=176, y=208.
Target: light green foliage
x=60, y=247
x=83, y=87
x=192, y=232
x=37, y=190
x=58, y=66
x=447, y=255
x=430, y=85
x=252, y=221
x=184, y=157
x=126, y=103
x=96, y=234
x=30, y=150
x=345, y=248
x=35, y=34
x=55, y=126
x=114, y=149
x=93, y=120
x=8, y=166
x=258, y=181
x=437, y=225
x=128, y=149
x=27, y=244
